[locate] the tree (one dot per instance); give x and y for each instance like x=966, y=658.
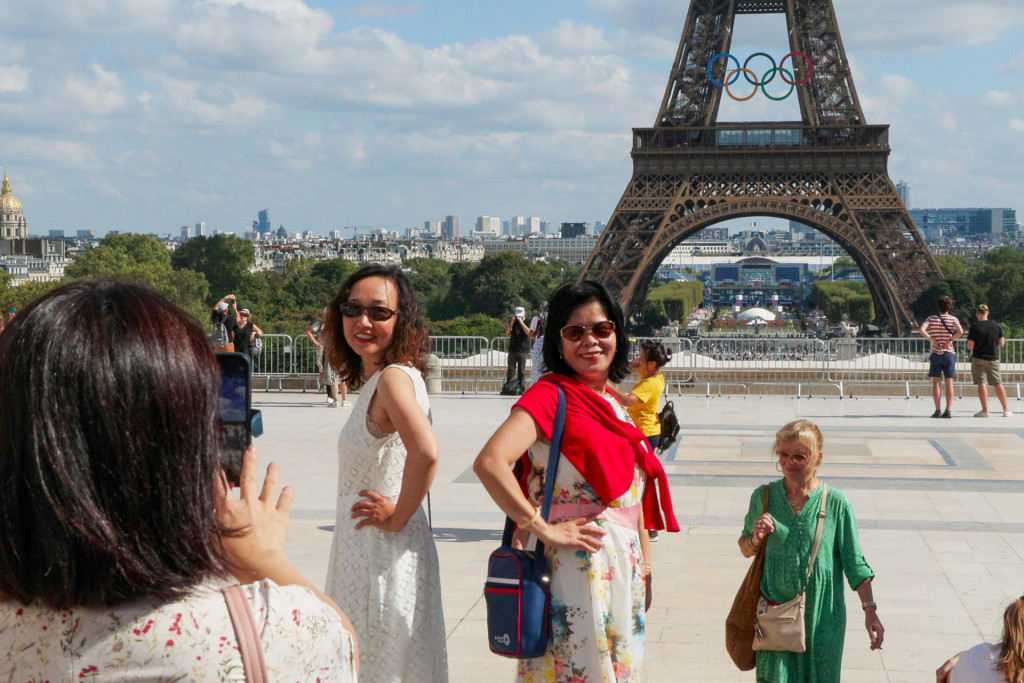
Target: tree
x=431, y=280
x=225, y=260
x=20, y=297
x=144, y=260
x=503, y=281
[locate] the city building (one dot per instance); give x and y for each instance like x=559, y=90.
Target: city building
x=262, y=225
x=488, y=224
x=575, y=250
x=186, y=233
x=758, y=280
x=573, y=230
x=936, y=224
x=200, y=229
x=903, y=190
x=12, y=218
x=450, y=229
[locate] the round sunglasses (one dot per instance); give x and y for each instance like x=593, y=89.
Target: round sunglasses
x=601, y=330
x=377, y=313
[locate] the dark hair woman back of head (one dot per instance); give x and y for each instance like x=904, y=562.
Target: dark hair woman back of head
x=656, y=352
x=410, y=341
x=563, y=302
x=108, y=407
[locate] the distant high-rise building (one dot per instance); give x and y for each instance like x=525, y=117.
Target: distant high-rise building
x=85, y=234
x=450, y=229
x=432, y=228
x=186, y=232
x=573, y=230
x=200, y=229
x=335, y=234
x=263, y=226
x=56, y=234
x=12, y=218
x=531, y=226
x=516, y=226
x=488, y=224
x=903, y=190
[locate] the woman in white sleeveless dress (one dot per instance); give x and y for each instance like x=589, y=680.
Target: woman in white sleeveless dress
x=384, y=570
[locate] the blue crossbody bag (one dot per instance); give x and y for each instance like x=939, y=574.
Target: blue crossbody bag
x=518, y=587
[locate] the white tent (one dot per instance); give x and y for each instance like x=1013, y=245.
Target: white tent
x=757, y=313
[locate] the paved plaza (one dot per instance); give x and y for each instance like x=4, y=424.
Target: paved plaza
x=938, y=502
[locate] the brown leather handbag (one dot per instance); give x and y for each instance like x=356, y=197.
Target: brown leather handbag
x=739, y=625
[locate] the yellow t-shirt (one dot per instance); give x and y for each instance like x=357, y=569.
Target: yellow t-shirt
x=645, y=413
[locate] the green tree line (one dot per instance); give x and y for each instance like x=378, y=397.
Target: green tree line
x=456, y=299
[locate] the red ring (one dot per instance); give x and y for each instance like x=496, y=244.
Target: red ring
x=810, y=68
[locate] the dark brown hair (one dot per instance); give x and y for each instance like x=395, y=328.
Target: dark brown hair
x=563, y=303
x=1011, y=655
x=410, y=342
x=656, y=352
x=945, y=304
x=108, y=449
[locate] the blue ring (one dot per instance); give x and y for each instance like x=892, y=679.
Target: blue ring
x=712, y=61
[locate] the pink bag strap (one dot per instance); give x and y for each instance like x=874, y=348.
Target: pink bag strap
x=248, y=636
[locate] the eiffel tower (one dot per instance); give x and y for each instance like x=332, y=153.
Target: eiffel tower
x=828, y=171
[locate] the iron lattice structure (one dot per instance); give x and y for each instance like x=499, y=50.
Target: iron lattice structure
x=828, y=171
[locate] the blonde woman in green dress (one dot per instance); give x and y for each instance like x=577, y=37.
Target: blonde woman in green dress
x=788, y=528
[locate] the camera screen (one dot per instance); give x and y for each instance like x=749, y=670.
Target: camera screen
x=232, y=400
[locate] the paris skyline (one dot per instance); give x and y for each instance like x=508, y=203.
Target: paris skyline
x=145, y=115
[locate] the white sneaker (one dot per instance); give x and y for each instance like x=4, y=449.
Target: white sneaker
x=1007, y=414
x=345, y=404
x=981, y=414
x=330, y=401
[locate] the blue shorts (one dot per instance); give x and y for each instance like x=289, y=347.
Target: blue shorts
x=942, y=365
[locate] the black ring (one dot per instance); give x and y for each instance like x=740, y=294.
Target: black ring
x=770, y=59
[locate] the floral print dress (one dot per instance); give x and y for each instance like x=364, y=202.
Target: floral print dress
x=597, y=599
x=186, y=640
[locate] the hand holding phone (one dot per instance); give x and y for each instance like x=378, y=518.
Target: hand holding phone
x=235, y=411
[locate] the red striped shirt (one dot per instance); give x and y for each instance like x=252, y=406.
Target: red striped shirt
x=941, y=329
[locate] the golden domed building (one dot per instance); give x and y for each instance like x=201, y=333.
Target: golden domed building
x=12, y=217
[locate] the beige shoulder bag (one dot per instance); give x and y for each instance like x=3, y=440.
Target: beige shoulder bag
x=781, y=626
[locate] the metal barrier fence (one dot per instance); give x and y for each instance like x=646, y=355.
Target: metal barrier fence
x=786, y=365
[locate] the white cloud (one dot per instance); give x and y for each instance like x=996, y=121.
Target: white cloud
x=89, y=17
x=100, y=92
x=267, y=35
x=13, y=79
x=569, y=36
x=998, y=98
x=1017, y=125
x=214, y=104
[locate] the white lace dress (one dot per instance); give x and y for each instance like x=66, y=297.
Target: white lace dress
x=387, y=583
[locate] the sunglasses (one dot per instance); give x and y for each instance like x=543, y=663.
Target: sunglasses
x=601, y=330
x=377, y=313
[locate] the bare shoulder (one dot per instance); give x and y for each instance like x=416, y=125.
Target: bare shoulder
x=396, y=381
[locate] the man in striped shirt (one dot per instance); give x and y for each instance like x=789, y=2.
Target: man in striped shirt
x=942, y=330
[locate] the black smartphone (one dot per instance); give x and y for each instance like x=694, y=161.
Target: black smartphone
x=235, y=411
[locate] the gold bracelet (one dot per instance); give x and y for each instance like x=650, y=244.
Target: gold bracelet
x=533, y=520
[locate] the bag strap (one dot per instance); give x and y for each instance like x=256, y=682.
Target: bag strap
x=249, y=646
x=549, y=479
x=817, y=534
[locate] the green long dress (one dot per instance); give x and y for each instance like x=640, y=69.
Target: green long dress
x=785, y=568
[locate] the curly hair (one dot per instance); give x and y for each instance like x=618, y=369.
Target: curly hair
x=410, y=342
x=567, y=299
x=1011, y=656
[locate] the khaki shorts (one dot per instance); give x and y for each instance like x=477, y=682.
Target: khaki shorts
x=985, y=372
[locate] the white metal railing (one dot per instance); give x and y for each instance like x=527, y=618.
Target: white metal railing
x=771, y=364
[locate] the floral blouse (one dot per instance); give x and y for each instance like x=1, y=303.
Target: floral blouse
x=190, y=639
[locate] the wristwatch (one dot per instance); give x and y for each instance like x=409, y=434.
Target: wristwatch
x=870, y=603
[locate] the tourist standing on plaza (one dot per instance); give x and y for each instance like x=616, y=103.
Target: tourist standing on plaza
x=538, y=325
x=983, y=341
x=789, y=529
x=245, y=333
x=942, y=330
x=117, y=529
x=608, y=482
x=328, y=377
x=518, y=351
x=643, y=399
x=224, y=317
x=383, y=569
x=1001, y=662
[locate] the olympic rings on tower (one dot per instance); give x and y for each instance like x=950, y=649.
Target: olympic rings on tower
x=751, y=77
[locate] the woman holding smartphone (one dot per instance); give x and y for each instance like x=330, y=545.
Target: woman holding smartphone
x=117, y=527
x=384, y=568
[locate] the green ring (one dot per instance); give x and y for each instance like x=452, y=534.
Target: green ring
x=773, y=71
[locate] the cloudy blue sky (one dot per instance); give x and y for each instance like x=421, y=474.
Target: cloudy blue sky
x=146, y=115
